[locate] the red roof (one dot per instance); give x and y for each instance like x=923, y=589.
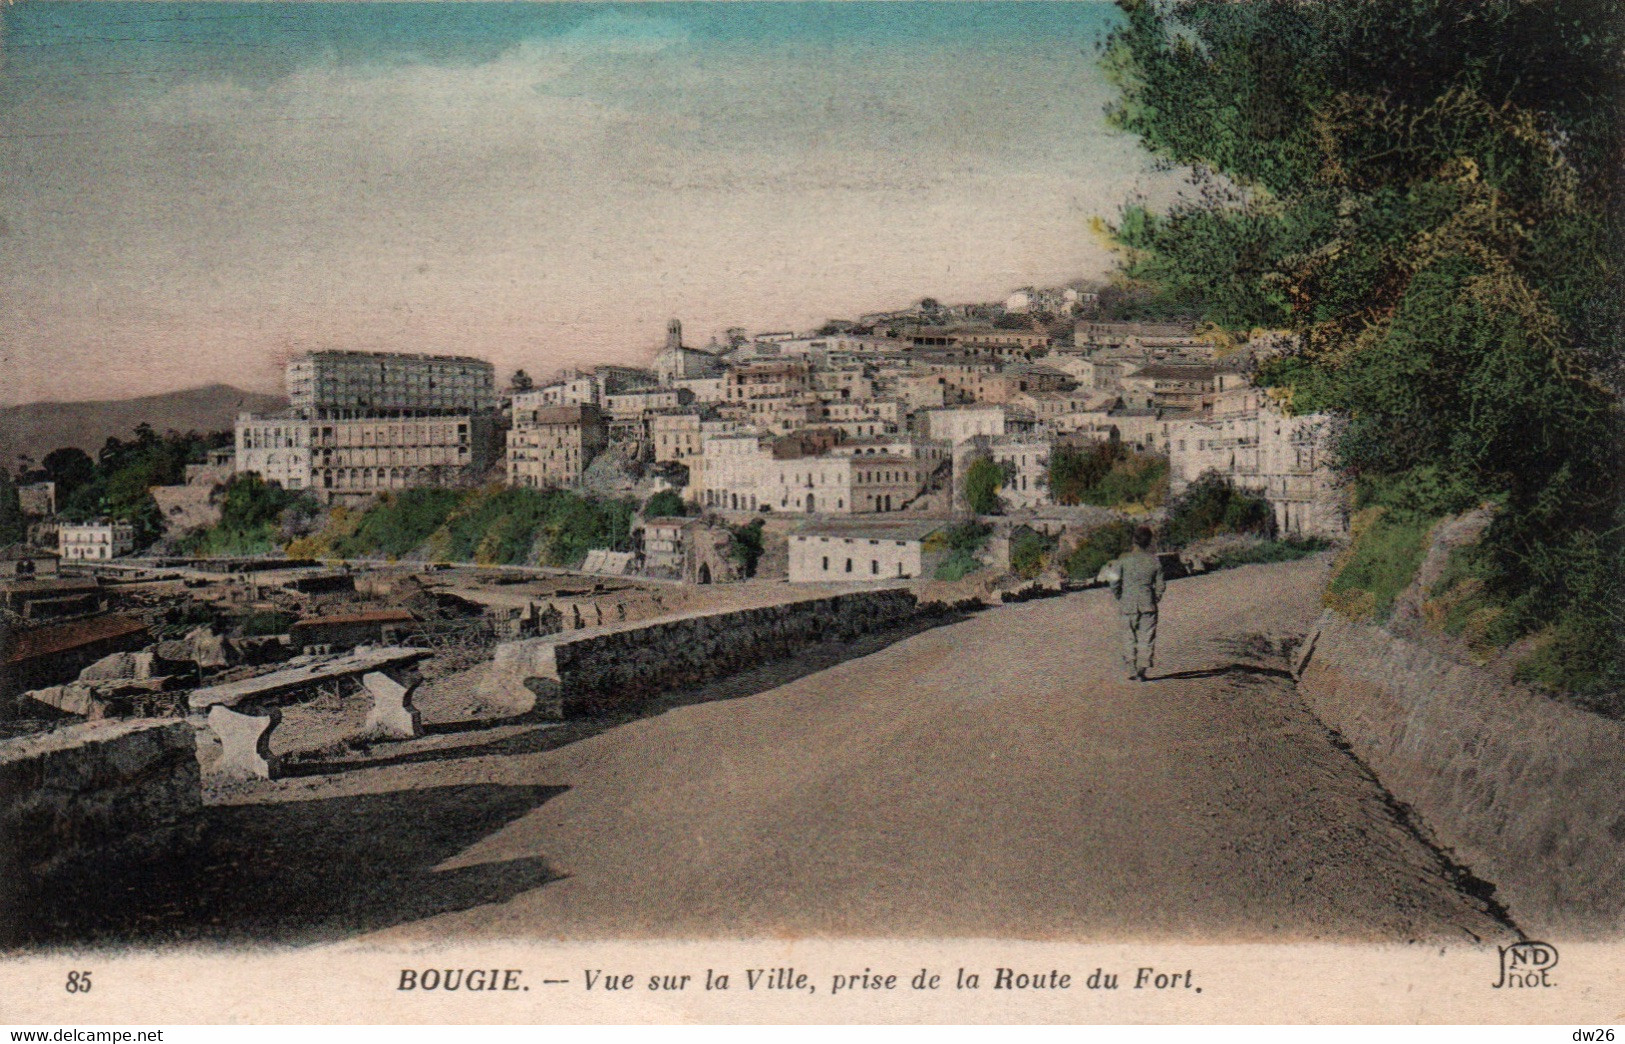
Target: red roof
x=60, y=638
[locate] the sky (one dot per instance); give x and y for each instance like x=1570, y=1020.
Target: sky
x=192, y=193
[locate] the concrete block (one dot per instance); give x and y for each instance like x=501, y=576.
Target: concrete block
x=245, y=742
x=392, y=715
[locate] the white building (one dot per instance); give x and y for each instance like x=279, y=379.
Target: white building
x=964, y=423
x=1287, y=460
x=842, y=552
x=363, y=456
x=94, y=541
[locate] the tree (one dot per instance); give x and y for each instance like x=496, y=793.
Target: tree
x=747, y=546
x=665, y=504
x=1210, y=506
x=13, y=526
x=1425, y=194
x=1074, y=472
x=69, y=467
x=983, y=480
x=521, y=382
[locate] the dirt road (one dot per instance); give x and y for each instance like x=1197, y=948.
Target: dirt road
x=996, y=776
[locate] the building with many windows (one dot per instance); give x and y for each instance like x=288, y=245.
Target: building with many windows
x=361, y=423
x=364, y=456
x=550, y=447
x=94, y=541
x=347, y=384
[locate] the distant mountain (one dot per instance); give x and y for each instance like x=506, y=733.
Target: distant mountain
x=37, y=428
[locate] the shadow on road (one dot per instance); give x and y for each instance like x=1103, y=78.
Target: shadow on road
x=297, y=872
x=1252, y=669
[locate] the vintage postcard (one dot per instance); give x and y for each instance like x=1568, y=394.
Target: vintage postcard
x=811, y=512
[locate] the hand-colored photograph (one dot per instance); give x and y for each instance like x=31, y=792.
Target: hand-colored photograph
x=1053, y=472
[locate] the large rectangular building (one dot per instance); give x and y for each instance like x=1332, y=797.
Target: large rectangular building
x=364, y=456
x=346, y=384
x=835, y=552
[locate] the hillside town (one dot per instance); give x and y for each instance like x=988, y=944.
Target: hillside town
x=839, y=428
x=770, y=462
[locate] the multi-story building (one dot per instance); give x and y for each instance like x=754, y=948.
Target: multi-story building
x=766, y=380
x=646, y=400
x=1255, y=447
x=361, y=423
x=347, y=384
x=550, y=446
x=704, y=389
x=94, y=541
x=1024, y=460
x=37, y=499
x=358, y=457
x=1176, y=386
x=676, y=437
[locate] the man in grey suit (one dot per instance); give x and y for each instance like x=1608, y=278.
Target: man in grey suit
x=1138, y=587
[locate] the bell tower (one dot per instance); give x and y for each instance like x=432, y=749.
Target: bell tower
x=674, y=335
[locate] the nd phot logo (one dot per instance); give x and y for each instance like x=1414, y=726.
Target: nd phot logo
x=1525, y=964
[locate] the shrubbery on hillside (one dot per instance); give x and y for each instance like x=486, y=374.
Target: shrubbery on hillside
x=1107, y=475
x=1211, y=506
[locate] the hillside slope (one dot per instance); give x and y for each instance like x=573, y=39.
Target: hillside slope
x=37, y=428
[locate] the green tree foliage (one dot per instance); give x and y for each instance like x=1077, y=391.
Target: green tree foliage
x=70, y=468
x=1029, y=552
x=982, y=482
x=746, y=549
x=125, y=471
x=1210, y=506
x=1107, y=474
x=1098, y=547
x=667, y=503
x=398, y=523
x=251, y=512
x=1426, y=194
x=13, y=526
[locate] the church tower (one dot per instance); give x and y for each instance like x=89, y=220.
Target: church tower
x=674, y=335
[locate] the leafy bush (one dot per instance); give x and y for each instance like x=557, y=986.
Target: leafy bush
x=397, y=523
x=668, y=503
x=1100, y=546
x=1379, y=564
x=746, y=549
x=1210, y=506
x=1029, y=551
x=982, y=482
x=1107, y=474
x=969, y=537
x=958, y=565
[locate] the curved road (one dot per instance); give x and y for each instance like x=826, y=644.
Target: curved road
x=997, y=776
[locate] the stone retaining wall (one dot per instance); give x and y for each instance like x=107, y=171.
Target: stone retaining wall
x=87, y=796
x=1525, y=790
x=606, y=670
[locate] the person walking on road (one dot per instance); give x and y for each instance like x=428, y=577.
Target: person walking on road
x=1137, y=586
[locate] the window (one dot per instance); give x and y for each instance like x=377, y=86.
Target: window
x=826, y=563
x=874, y=567
x=848, y=565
